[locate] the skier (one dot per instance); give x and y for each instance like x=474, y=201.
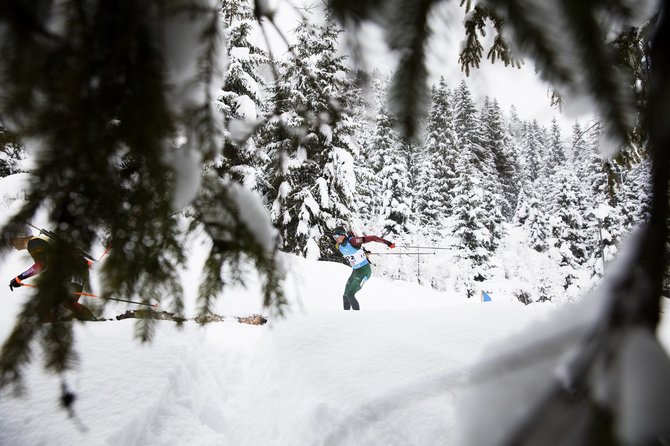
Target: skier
x=39, y=248
x=351, y=248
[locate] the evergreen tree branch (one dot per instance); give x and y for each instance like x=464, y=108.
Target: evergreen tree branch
x=605, y=82
x=527, y=20
x=500, y=49
x=97, y=97
x=475, y=24
x=233, y=242
x=409, y=94
x=579, y=136
x=471, y=55
x=357, y=11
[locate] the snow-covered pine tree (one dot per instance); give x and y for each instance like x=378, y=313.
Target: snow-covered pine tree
x=469, y=219
x=366, y=161
x=498, y=141
x=396, y=208
x=493, y=205
x=389, y=176
x=634, y=198
x=311, y=179
x=538, y=193
x=634, y=195
x=556, y=148
x=578, y=153
x=516, y=125
x=11, y=152
x=604, y=227
x=476, y=215
x=567, y=224
x=469, y=130
x=532, y=150
x=437, y=173
x=536, y=221
x=380, y=121
x=521, y=211
x=240, y=99
x=596, y=169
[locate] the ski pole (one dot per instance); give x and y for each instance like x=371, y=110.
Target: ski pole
x=420, y=247
x=95, y=295
x=119, y=300
x=402, y=253
x=105, y=253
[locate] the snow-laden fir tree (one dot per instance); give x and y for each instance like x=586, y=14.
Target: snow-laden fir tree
x=568, y=237
x=470, y=131
x=437, y=173
x=11, y=152
x=395, y=214
x=515, y=125
x=311, y=181
x=634, y=195
x=468, y=222
x=389, y=176
x=497, y=139
x=521, y=211
x=578, y=152
x=379, y=120
x=586, y=166
x=566, y=226
x=552, y=159
x=540, y=190
x=531, y=212
x=240, y=99
x=596, y=169
x=367, y=162
x=471, y=140
x=410, y=149
x=556, y=148
x=472, y=218
x=532, y=150
x=604, y=225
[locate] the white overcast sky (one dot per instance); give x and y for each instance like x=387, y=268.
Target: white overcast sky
x=521, y=88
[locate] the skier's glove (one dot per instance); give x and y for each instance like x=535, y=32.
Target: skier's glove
x=390, y=245
x=15, y=283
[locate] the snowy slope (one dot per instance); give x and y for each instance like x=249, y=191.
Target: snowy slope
x=386, y=375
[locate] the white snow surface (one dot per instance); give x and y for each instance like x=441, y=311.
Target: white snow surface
x=390, y=374
x=386, y=375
